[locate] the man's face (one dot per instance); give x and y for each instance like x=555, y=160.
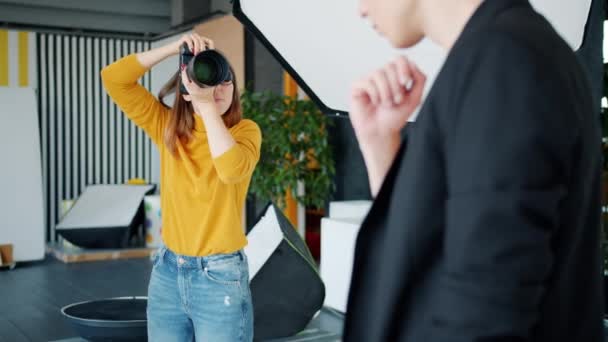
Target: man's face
x=397, y=20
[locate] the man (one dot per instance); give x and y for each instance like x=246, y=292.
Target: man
x=486, y=224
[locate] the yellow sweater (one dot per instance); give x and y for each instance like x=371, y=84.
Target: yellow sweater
x=202, y=198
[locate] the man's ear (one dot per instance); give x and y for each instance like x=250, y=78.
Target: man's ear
x=187, y=97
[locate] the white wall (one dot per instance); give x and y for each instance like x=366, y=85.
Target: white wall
x=21, y=198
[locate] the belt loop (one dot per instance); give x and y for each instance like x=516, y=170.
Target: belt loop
x=162, y=252
x=159, y=254
x=201, y=262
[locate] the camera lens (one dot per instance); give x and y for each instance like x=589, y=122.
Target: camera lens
x=205, y=73
x=209, y=68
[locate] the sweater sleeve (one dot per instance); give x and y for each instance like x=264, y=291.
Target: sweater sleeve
x=238, y=163
x=120, y=80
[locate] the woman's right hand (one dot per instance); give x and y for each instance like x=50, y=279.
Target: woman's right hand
x=196, y=43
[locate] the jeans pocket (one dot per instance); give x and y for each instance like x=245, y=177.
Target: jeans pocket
x=226, y=272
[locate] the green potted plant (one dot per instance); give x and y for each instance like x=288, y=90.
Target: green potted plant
x=294, y=148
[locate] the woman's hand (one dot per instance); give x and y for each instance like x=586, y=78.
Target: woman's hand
x=201, y=98
x=196, y=43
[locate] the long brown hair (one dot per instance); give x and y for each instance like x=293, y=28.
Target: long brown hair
x=181, y=120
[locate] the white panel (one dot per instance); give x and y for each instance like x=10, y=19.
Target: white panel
x=21, y=198
x=58, y=196
x=75, y=117
x=89, y=110
x=102, y=206
x=67, y=83
x=338, y=239
x=104, y=116
x=141, y=137
x=341, y=47
x=112, y=128
x=148, y=141
x=126, y=126
x=33, y=67
x=96, y=111
x=356, y=210
x=44, y=107
x=120, y=127
x=605, y=46
x=263, y=240
x=133, y=134
x=52, y=136
x=82, y=113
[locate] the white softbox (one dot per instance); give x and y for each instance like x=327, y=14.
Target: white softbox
x=325, y=45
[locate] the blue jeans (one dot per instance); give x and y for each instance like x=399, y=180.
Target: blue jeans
x=199, y=299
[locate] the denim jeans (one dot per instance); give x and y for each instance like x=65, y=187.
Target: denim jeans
x=199, y=298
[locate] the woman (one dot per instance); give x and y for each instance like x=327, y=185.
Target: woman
x=199, y=286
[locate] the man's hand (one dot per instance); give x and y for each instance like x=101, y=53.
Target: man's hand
x=380, y=106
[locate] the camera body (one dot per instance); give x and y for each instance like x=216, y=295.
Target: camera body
x=207, y=68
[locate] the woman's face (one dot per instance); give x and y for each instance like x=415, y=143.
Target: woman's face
x=222, y=95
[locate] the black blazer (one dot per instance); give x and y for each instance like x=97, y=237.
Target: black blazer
x=487, y=226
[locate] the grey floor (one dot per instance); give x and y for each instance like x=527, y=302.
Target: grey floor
x=32, y=295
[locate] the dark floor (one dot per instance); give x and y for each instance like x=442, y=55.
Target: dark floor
x=32, y=295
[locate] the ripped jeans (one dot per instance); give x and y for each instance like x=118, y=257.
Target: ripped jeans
x=199, y=298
